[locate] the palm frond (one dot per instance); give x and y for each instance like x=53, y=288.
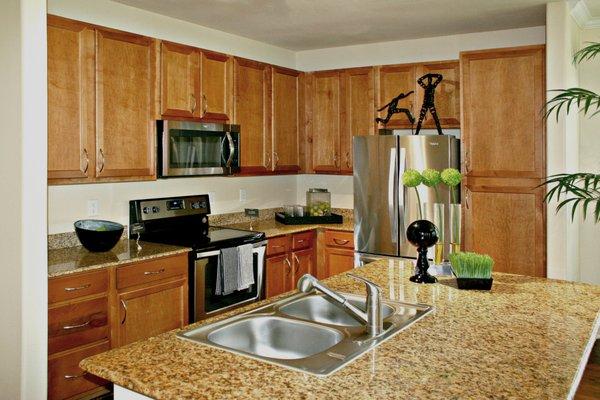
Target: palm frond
x=572, y=191
x=587, y=53
x=585, y=100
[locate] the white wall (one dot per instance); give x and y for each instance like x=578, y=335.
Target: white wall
x=589, y=161
x=340, y=186
x=415, y=50
x=563, y=38
x=130, y=19
x=23, y=287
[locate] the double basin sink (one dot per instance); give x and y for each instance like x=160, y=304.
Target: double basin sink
x=305, y=332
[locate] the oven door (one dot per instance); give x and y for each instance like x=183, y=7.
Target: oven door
x=193, y=148
x=203, y=278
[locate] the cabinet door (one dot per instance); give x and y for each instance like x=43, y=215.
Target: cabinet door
x=252, y=111
x=393, y=80
x=125, y=73
x=70, y=100
x=338, y=260
x=278, y=275
x=179, y=81
x=326, y=110
x=217, y=85
x=151, y=310
x=286, y=119
x=505, y=218
x=503, y=125
x=447, y=94
x=303, y=264
x=358, y=91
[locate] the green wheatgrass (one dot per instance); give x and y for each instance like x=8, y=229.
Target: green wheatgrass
x=471, y=265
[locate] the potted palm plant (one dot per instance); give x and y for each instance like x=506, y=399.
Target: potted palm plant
x=580, y=190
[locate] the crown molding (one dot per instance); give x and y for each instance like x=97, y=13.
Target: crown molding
x=581, y=14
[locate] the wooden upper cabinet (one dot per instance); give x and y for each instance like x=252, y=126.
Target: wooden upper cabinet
x=286, y=100
x=502, y=121
x=71, y=147
x=252, y=111
x=505, y=218
x=393, y=80
x=447, y=94
x=217, y=85
x=179, y=81
x=326, y=110
x=358, y=91
x=125, y=79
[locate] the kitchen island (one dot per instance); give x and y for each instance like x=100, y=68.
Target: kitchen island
x=527, y=338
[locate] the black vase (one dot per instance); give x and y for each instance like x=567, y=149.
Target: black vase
x=422, y=234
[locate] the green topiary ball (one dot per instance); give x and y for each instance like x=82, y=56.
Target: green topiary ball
x=431, y=177
x=451, y=177
x=411, y=178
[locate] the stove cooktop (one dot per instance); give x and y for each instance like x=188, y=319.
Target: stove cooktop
x=217, y=238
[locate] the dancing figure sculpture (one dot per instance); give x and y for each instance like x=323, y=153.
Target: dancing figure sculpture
x=429, y=82
x=392, y=108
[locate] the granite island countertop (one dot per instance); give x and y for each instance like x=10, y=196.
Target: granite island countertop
x=273, y=228
x=71, y=260
x=527, y=338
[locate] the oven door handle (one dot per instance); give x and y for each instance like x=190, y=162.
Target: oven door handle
x=256, y=249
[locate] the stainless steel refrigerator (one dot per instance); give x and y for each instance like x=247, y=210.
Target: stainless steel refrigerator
x=383, y=207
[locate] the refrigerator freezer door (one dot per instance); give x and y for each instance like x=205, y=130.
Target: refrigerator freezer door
x=375, y=194
x=422, y=152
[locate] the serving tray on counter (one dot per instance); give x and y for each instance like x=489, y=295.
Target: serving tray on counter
x=326, y=219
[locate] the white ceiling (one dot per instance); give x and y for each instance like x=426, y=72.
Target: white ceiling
x=312, y=24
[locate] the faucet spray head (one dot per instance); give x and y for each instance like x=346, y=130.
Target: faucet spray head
x=306, y=283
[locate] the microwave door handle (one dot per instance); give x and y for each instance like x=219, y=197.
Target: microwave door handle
x=231, y=150
x=223, y=160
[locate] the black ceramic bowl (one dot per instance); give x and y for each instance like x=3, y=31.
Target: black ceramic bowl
x=98, y=235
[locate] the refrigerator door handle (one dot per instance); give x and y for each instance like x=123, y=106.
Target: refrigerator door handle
x=392, y=187
x=400, y=193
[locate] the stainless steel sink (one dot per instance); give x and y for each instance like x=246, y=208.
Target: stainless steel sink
x=304, y=332
x=274, y=337
x=319, y=309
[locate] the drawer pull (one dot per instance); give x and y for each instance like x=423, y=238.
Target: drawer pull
x=301, y=241
x=69, y=327
x=70, y=377
x=72, y=289
x=277, y=246
x=340, y=242
x=160, y=271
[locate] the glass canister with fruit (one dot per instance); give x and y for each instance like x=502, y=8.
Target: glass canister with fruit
x=318, y=202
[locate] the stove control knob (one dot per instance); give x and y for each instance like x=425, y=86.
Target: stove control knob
x=146, y=210
x=204, y=220
x=195, y=205
x=155, y=209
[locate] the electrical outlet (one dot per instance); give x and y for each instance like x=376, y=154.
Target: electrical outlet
x=93, y=208
x=243, y=195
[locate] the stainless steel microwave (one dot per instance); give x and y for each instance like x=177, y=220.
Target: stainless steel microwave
x=188, y=148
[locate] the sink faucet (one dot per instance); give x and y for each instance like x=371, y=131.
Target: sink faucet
x=372, y=317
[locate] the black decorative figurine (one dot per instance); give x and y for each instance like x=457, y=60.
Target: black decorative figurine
x=392, y=108
x=422, y=234
x=429, y=82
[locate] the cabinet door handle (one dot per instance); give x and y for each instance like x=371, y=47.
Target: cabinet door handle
x=297, y=263
x=347, y=159
x=467, y=198
x=125, y=308
x=340, y=242
x=289, y=269
x=467, y=162
x=87, y=161
x=70, y=377
x=194, y=103
x=335, y=160
x=160, y=271
x=101, y=161
x=69, y=327
x=73, y=289
x=204, y=105
x=268, y=160
x=276, y=158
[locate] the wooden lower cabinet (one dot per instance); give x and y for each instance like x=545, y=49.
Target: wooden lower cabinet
x=338, y=260
x=278, y=275
x=92, y=312
x=291, y=257
x=505, y=218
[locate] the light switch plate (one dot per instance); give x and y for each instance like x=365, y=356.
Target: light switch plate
x=243, y=196
x=93, y=208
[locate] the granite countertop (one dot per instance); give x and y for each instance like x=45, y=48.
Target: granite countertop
x=273, y=228
x=70, y=260
x=525, y=339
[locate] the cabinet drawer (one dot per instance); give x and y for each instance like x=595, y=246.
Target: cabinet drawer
x=339, y=239
x=77, y=324
x=66, y=379
x=302, y=240
x=278, y=245
x=77, y=285
x=150, y=271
